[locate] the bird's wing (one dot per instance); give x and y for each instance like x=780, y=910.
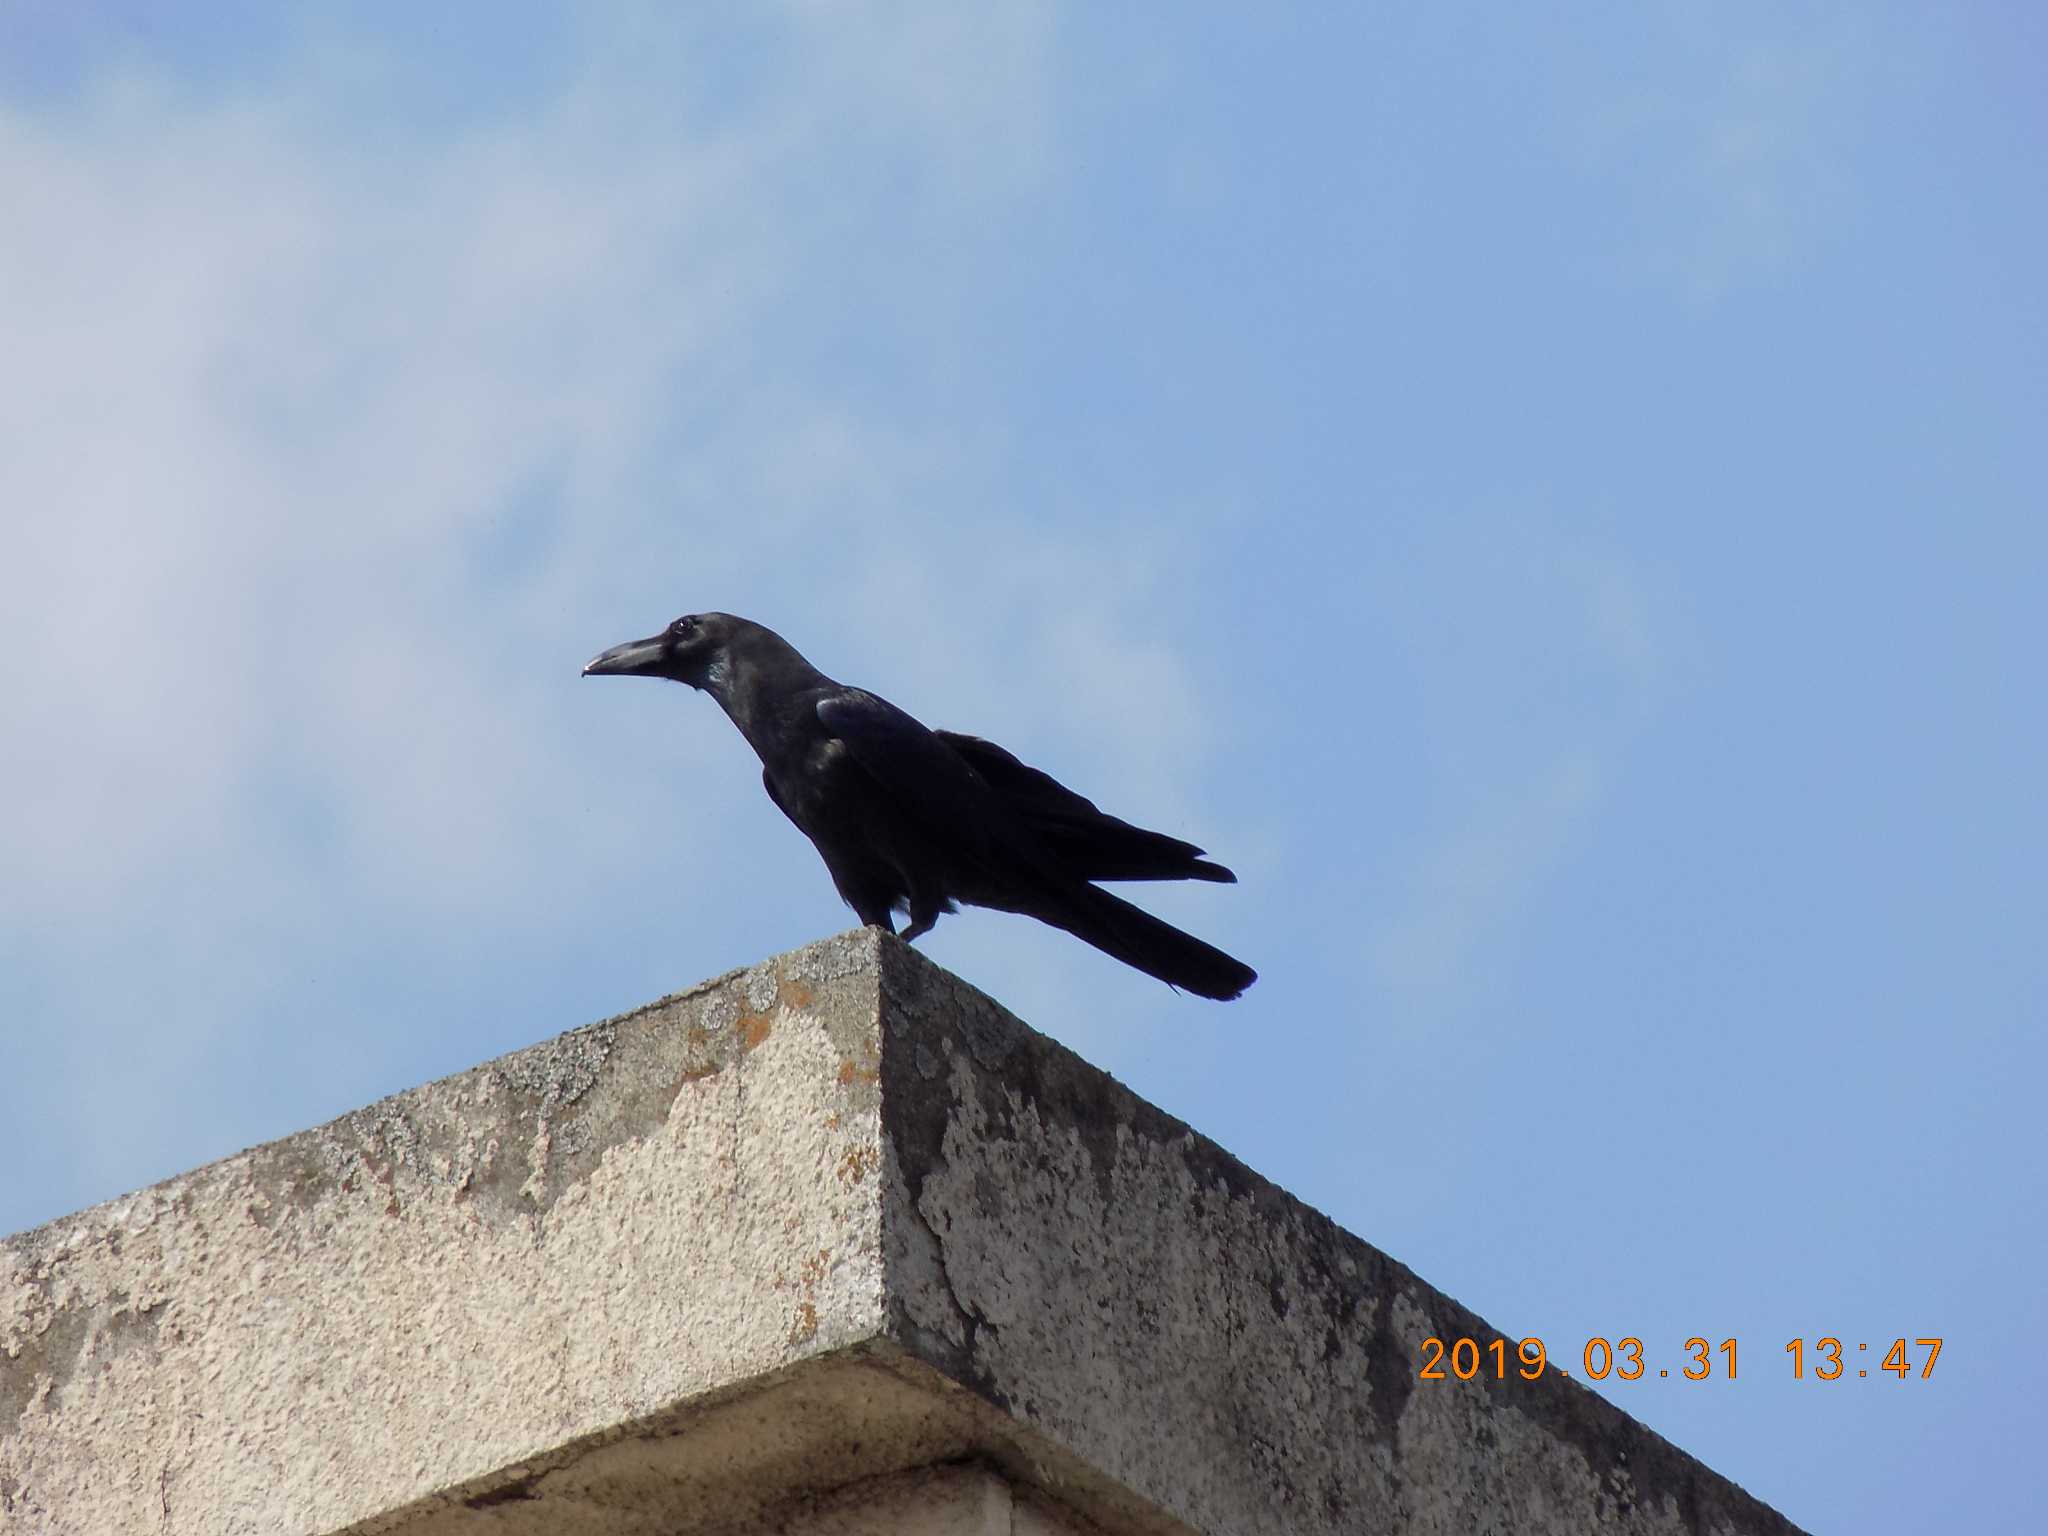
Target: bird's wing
x=1011, y=776
x=1092, y=843
x=926, y=777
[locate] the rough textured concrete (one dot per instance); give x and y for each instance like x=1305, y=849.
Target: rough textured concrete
x=718, y=1262
x=949, y=1500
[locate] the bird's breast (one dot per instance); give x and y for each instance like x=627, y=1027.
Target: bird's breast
x=820, y=782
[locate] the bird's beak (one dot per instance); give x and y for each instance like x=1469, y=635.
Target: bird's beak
x=636, y=658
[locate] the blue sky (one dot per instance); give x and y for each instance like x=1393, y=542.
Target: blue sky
x=1555, y=502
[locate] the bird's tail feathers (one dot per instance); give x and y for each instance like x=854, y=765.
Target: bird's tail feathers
x=1139, y=939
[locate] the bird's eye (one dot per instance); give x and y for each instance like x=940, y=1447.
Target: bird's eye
x=684, y=627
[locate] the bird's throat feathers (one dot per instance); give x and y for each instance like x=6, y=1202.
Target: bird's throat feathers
x=717, y=680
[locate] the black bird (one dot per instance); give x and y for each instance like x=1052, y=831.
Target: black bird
x=915, y=820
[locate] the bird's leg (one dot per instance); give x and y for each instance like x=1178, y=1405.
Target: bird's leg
x=926, y=908
x=872, y=916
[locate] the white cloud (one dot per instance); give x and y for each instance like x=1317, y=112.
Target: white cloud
x=331, y=454
x=1573, y=651
x=274, y=403
x=1731, y=155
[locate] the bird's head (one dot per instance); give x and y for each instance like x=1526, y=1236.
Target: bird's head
x=693, y=650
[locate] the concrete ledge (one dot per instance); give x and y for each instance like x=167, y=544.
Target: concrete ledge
x=724, y=1262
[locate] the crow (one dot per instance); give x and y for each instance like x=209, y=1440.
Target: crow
x=915, y=820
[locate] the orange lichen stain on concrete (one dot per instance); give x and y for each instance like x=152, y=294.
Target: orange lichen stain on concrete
x=858, y=1163
x=792, y=993
x=851, y=1072
x=697, y=1052
x=805, y=1325
x=753, y=1028
x=388, y=1177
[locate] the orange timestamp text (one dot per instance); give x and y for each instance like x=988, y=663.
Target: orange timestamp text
x=1627, y=1359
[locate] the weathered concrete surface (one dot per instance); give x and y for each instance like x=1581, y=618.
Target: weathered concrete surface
x=950, y=1500
x=716, y=1263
